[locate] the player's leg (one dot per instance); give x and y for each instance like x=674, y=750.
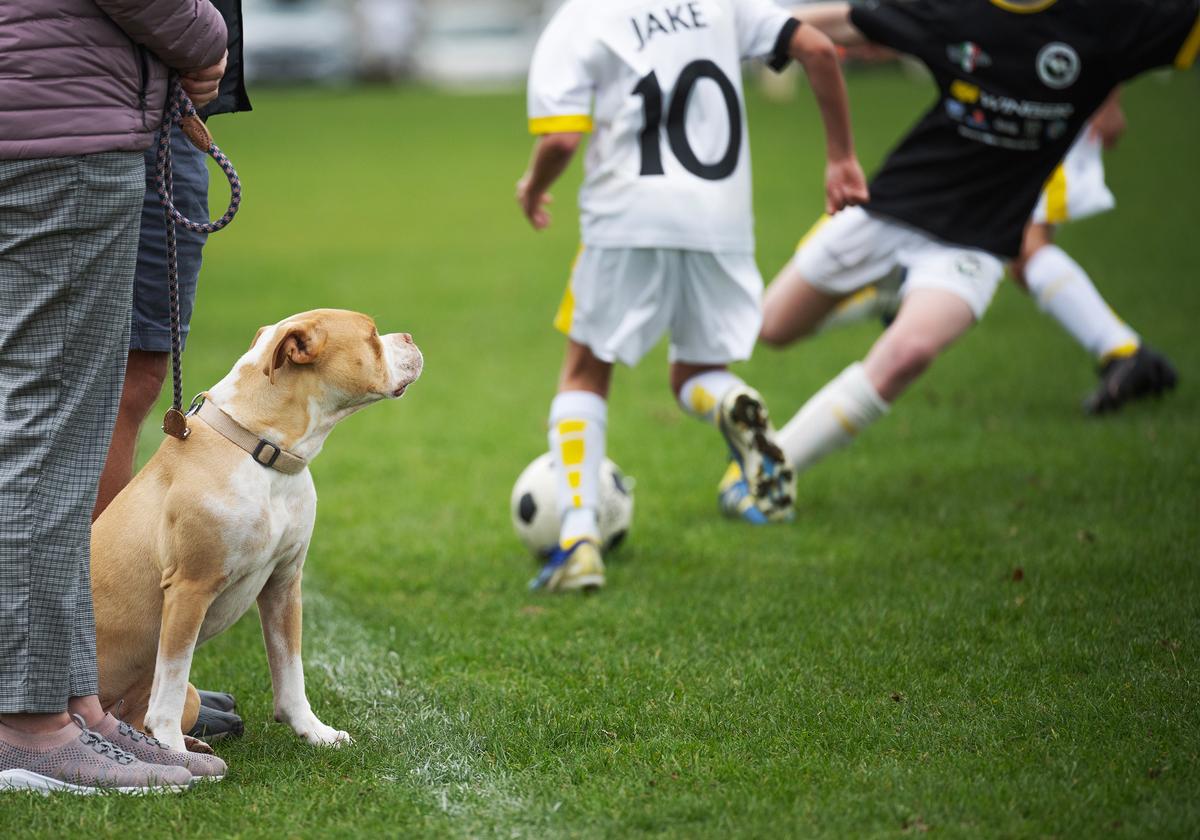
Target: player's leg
x=947, y=291
x=717, y=314
x=1063, y=290
x=609, y=312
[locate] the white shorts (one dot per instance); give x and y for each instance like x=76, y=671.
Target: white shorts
x=852, y=250
x=1076, y=190
x=621, y=301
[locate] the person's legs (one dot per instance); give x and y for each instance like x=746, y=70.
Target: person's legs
x=150, y=338
x=929, y=321
x=1065, y=292
x=145, y=373
x=65, y=273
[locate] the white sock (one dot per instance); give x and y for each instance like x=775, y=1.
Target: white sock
x=701, y=395
x=832, y=418
x=1065, y=292
x=578, y=420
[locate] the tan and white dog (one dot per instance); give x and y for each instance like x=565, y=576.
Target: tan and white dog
x=222, y=519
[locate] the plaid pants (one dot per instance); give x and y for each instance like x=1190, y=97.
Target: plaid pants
x=68, y=243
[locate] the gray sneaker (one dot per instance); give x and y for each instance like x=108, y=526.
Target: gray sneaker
x=205, y=767
x=77, y=760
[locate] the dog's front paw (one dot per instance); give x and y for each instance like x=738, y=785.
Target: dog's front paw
x=320, y=735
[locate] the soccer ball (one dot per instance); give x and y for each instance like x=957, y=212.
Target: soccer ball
x=534, y=506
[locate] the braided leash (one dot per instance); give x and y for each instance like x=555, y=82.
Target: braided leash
x=180, y=110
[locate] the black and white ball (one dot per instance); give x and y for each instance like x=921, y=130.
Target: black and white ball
x=534, y=506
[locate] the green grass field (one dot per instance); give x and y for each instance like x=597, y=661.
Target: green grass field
x=874, y=669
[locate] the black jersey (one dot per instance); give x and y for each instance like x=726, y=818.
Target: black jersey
x=1017, y=83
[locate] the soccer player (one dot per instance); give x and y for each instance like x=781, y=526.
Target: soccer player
x=668, y=238
x=1129, y=369
x=1062, y=288
x=1017, y=81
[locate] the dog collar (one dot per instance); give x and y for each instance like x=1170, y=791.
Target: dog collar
x=263, y=451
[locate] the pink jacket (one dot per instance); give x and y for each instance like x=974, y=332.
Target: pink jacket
x=85, y=76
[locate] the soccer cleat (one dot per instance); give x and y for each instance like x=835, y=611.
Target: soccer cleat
x=577, y=566
x=1143, y=373
x=770, y=481
x=734, y=499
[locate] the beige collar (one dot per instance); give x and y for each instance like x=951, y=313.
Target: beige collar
x=261, y=450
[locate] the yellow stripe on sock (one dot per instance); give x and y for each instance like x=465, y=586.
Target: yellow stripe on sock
x=574, y=478
x=572, y=452
x=702, y=401
x=847, y=426
x=1123, y=351
x=1056, y=197
x=571, y=427
x=577, y=501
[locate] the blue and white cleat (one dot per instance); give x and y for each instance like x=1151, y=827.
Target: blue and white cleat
x=571, y=567
x=768, y=484
x=734, y=499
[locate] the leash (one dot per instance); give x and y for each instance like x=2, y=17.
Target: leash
x=179, y=109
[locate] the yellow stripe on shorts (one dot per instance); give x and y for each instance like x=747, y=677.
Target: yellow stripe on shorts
x=1057, y=211
x=1187, y=55
x=565, y=316
x=812, y=231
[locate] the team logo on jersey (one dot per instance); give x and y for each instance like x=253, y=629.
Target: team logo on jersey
x=1058, y=65
x=968, y=55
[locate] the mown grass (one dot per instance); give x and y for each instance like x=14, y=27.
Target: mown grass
x=983, y=622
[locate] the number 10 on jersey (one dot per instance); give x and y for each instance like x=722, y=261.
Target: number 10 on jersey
x=652, y=104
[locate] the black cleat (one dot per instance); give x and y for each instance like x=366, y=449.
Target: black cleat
x=1145, y=373
x=219, y=700
x=215, y=725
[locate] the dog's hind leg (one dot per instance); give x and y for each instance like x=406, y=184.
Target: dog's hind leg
x=184, y=606
x=280, y=610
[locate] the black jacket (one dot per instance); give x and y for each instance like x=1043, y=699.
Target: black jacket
x=232, y=96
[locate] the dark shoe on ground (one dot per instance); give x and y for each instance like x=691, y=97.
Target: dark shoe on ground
x=1144, y=373
x=215, y=725
x=219, y=700
x=78, y=760
x=204, y=767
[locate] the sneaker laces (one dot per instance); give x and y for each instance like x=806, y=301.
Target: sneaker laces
x=134, y=734
x=98, y=744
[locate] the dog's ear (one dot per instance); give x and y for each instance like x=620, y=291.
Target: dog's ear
x=258, y=335
x=299, y=342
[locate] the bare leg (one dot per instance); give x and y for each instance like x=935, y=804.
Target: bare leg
x=582, y=371
x=681, y=372
x=929, y=321
x=144, y=377
x=793, y=308
x=1037, y=236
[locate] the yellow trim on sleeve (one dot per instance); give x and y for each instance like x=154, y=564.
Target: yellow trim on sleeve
x=1191, y=47
x=1057, y=210
x=581, y=123
x=1024, y=8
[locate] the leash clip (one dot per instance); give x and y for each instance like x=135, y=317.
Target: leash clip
x=175, y=424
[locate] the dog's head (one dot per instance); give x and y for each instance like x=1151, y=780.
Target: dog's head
x=336, y=357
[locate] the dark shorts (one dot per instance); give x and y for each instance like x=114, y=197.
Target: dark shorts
x=151, y=326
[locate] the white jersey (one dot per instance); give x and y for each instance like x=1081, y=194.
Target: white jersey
x=660, y=86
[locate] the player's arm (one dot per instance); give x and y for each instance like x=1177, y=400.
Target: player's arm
x=833, y=19
x=845, y=184
x=552, y=154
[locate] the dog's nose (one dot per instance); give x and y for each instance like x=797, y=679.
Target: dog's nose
x=406, y=338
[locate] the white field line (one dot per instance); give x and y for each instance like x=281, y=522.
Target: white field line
x=433, y=747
